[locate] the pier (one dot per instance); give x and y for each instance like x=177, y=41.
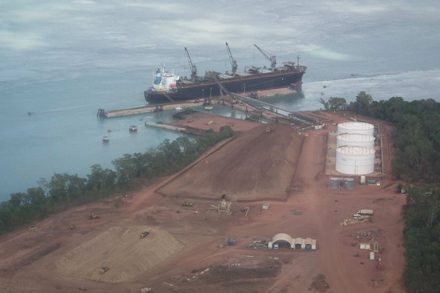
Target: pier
x=148, y=109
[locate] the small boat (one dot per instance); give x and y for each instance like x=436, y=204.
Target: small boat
x=105, y=139
x=209, y=108
x=133, y=128
x=178, y=108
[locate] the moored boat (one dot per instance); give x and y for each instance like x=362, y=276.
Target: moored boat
x=168, y=87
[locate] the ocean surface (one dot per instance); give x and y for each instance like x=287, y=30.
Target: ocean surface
x=63, y=60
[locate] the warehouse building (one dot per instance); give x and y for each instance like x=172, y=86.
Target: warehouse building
x=283, y=240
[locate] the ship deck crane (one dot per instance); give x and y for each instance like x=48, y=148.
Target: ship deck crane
x=232, y=60
x=272, y=59
x=192, y=66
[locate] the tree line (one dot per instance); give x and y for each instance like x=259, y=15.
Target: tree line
x=416, y=134
x=422, y=240
x=63, y=190
x=416, y=137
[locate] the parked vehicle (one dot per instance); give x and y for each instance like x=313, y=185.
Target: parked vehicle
x=363, y=212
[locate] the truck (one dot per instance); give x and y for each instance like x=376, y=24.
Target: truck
x=363, y=212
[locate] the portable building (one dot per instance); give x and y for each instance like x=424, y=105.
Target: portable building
x=334, y=182
x=348, y=183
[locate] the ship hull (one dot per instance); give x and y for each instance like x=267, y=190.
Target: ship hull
x=251, y=83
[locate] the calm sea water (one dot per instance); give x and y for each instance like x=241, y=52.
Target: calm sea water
x=62, y=61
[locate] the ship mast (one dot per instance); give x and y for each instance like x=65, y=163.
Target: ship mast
x=232, y=60
x=272, y=59
x=192, y=66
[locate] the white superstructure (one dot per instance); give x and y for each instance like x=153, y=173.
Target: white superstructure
x=355, y=160
x=164, y=80
x=356, y=128
x=360, y=140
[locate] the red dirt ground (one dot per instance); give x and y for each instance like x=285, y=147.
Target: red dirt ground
x=256, y=165
x=28, y=259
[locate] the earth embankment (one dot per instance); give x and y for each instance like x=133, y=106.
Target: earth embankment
x=256, y=165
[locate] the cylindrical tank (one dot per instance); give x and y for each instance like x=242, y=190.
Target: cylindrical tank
x=349, y=183
x=355, y=160
x=334, y=182
x=356, y=128
x=360, y=140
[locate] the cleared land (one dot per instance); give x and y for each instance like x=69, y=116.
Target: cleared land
x=122, y=250
x=256, y=165
x=52, y=258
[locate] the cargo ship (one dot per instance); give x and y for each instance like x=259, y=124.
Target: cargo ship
x=168, y=87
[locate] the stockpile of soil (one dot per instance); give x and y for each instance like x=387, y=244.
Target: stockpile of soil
x=122, y=250
x=256, y=165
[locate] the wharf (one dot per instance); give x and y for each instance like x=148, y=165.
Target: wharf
x=148, y=109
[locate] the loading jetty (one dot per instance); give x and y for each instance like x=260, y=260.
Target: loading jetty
x=148, y=109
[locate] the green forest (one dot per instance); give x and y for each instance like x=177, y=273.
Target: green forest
x=416, y=139
x=130, y=172
x=422, y=240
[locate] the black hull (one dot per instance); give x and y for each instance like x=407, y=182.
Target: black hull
x=234, y=85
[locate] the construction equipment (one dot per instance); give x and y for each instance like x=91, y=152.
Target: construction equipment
x=188, y=204
x=94, y=216
x=144, y=234
x=192, y=66
x=269, y=129
x=272, y=59
x=103, y=270
x=229, y=241
x=232, y=60
x=224, y=207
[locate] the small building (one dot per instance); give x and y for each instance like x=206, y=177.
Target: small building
x=308, y=244
x=365, y=246
x=283, y=238
x=298, y=243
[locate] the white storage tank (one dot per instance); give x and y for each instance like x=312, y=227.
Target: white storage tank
x=360, y=140
x=355, y=160
x=356, y=128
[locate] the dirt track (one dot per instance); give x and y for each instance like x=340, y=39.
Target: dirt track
x=38, y=261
